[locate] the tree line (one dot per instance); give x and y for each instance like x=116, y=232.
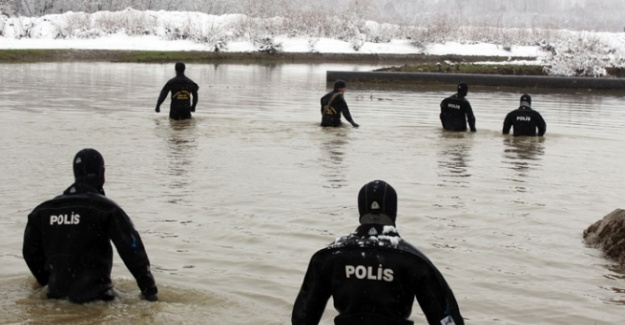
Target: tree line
x=593, y=15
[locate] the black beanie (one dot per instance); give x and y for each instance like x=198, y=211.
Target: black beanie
x=526, y=100
x=89, y=167
x=339, y=84
x=377, y=203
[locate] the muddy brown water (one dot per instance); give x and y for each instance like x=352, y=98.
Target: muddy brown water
x=232, y=204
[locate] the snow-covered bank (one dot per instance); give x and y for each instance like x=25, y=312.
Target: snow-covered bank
x=287, y=44
x=561, y=52
x=193, y=31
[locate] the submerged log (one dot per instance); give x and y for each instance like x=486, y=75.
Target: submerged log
x=608, y=234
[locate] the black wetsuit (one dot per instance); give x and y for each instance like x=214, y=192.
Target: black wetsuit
x=525, y=122
x=373, y=277
x=331, y=114
x=455, y=113
x=182, y=89
x=67, y=246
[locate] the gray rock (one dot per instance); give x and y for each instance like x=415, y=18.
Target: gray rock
x=608, y=234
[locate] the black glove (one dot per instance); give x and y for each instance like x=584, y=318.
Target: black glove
x=152, y=298
x=150, y=293
x=157, y=109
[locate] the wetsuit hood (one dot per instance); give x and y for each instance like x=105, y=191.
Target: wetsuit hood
x=377, y=203
x=339, y=84
x=180, y=67
x=463, y=90
x=526, y=100
x=89, y=168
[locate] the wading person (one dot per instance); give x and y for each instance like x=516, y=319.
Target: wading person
x=67, y=241
x=184, y=96
x=333, y=105
x=373, y=275
x=456, y=111
x=525, y=120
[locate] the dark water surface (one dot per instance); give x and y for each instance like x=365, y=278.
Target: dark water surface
x=232, y=204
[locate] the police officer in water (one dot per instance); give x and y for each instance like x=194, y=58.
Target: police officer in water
x=184, y=96
x=373, y=275
x=67, y=241
x=525, y=120
x=456, y=111
x=333, y=105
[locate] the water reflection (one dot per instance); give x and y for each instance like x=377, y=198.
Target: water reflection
x=332, y=154
x=181, y=143
x=454, y=156
x=523, y=154
x=617, y=273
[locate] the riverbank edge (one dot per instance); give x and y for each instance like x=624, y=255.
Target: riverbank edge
x=132, y=56
x=500, y=81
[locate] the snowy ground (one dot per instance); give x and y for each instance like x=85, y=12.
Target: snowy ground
x=288, y=44
x=560, y=52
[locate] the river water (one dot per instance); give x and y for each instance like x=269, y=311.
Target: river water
x=232, y=204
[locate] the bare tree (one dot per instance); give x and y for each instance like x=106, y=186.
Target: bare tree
x=562, y=14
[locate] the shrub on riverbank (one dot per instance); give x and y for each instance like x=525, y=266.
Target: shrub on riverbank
x=568, y=53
